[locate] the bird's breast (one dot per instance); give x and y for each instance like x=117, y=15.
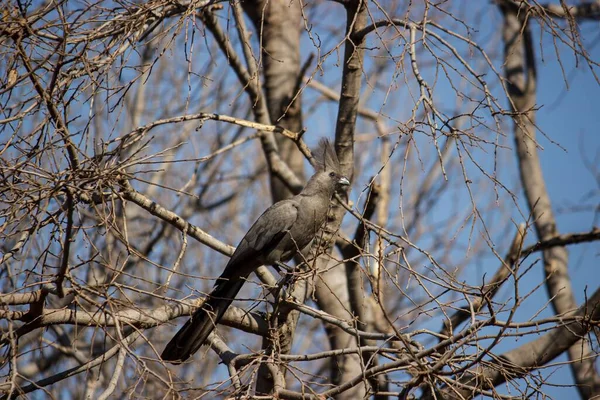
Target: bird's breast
x=312, y=213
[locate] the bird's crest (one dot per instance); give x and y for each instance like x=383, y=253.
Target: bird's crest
x=325, y=157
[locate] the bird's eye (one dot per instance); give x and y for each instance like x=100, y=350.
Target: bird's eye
x=332, y=174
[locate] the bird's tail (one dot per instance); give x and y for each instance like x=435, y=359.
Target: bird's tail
x=196, y=330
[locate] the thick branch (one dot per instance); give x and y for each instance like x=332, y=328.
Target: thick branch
x=327, y=291
x=138, y=317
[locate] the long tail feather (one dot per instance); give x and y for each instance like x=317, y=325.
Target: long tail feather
x=196, y=330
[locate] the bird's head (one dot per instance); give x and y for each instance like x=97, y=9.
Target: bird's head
x=328, y=177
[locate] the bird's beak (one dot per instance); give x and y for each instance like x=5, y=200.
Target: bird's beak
x=344, y=181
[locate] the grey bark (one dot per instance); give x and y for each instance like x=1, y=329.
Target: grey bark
x=326, y=294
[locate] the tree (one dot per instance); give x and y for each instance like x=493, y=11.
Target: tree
x=140, y=140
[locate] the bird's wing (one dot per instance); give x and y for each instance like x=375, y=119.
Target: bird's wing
x=259, y=241
x=265, y=234
x=272, y=224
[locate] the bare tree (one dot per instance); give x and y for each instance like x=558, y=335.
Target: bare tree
x=138, y=141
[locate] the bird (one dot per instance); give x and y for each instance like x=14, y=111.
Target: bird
x=283, y=230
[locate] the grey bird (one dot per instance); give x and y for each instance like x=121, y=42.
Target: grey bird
x=284, y=229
